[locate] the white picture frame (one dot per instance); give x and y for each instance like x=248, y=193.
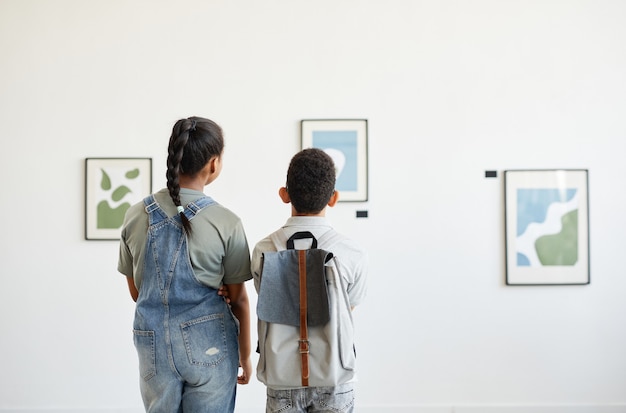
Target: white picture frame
x=345, y=140
x=547, y=227
x=112, y=185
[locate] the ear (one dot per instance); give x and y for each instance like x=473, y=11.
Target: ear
x=213, y=163
x=284, y=195
x=333, y=199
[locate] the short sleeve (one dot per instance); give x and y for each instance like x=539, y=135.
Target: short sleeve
x=237, y=257
x=125, y=260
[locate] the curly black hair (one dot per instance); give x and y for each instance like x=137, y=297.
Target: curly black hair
x=311, y=180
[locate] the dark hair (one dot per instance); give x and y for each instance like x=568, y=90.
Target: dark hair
x=193, y=143
x=311, y=180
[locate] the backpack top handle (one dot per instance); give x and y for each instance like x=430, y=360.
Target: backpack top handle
x=301, y=235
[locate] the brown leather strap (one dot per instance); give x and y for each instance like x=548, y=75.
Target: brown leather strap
x=304, y=334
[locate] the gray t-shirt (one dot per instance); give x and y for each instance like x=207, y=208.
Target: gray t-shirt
x=218, y=247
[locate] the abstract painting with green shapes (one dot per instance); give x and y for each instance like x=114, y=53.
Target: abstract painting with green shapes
x=109, y=217
x=547, y=227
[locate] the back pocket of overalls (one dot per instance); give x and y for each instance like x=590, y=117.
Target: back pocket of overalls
x=205, y=340
x=144, y=343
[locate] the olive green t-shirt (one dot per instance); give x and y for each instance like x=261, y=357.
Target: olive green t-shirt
x=218, y=247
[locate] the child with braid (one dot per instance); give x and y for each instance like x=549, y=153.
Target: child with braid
x=178, y=248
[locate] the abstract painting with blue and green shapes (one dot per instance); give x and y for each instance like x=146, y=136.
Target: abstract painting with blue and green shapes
x=547, y=227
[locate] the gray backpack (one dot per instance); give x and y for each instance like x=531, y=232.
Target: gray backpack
x=306, y=335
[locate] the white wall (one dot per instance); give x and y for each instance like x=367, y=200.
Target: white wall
x=451, y=88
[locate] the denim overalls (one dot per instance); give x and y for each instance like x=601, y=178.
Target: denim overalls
x=185, y=334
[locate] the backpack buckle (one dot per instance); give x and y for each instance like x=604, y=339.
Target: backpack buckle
x=304, y=346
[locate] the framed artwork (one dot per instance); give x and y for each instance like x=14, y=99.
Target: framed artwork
x=345, y=140
x=112, y=185
x=546, y=227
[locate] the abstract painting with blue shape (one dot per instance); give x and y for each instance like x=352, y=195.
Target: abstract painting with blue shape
x=342, y=147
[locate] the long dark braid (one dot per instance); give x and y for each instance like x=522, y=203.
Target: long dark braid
x=193, y=143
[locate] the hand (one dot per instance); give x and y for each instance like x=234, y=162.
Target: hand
x=246, y=373
x=223, y=291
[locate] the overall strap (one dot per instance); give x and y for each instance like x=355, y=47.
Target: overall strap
x=154, y=211
x=157, y=214
x=198, y=205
